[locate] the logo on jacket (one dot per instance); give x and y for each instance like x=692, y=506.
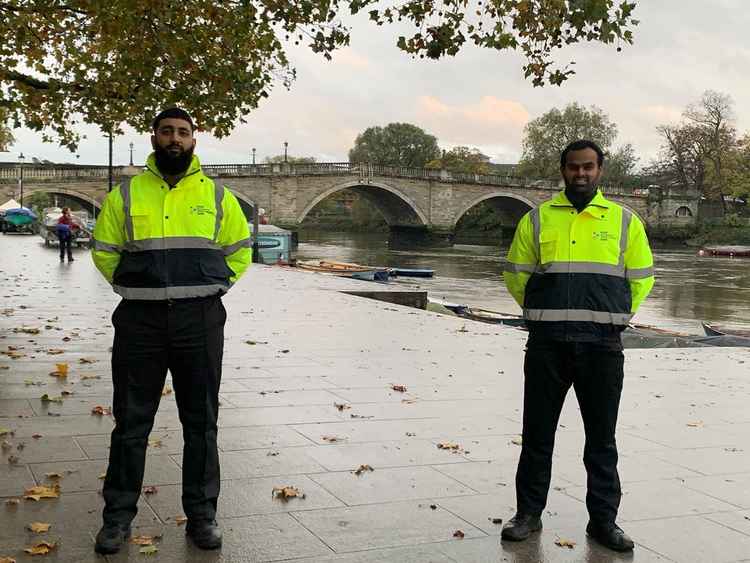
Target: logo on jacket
x=603, y=236
x=201, y=210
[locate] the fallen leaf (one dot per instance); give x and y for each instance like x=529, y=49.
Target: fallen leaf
x=36, y=436
x=55, y=351
x=408, y=401
x=102, y=476
x=12, y=502
x=86, y=361
x=6, y=445
x=53, y=476
x=695, y=424
x=41, y=548
x=84, y=377
x=458, y=534
x=448, y=446
x=42, y=491
x=155, y=443
x=331, y=439
x=148, y=550
x=66, y=393
x=47, y=399
x=398, y=387
x=180, y=520
x=38, y=527
x=570, y=544
x=13, y=460
x=362, y=468
x=287, y=492
x=496, y=520
x=7, y=560
x=150, y=490
x=101, y=411
x=341, y=406
x=166, y=391
x=143, y=540
x=254, y=342
x=61, y=370
x=518, y=441
x=26, y=330
x=4, y=431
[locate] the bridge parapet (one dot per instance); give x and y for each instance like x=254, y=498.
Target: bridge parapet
x=72, y=173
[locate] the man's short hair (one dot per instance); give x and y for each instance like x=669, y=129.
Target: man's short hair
x=580, y=145
x=176, y=113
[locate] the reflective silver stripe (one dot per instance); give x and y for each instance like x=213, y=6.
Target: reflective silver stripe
x=168, y=243
x=583, y=268
x=164, y=293
x=577, y=315
x=125, y=194
x=536, y=223
x=626, y=217
x=514, y=268
x=218, y=197
x=639, y=273
x=103, y=246
x=232, y=248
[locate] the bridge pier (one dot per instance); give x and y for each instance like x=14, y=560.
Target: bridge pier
x=401, y=236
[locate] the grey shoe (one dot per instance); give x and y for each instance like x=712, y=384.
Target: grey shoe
x=110, y=538
x=521, y=526
x=205, y=534
x=610, y=535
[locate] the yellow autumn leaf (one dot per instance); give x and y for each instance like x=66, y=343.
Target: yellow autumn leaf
x=60, y=371
x=570, y=544
x=39, y=527
x=41, y=548
x=7, y=560
x=42, y=491
x=148, y=550
x=287, y=492
x=142, y=540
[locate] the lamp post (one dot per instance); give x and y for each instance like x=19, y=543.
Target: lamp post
x=21, y=160
x=109, y=166
x=131, y=154
x=253, y=155
x=285, y=147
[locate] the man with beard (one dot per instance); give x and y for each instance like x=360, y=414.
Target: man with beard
x=171, y=242
x=579, y=266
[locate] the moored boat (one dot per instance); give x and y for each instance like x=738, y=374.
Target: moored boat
x=412, y=272
x=715, y=330
x=731, y=251
x=345, y=269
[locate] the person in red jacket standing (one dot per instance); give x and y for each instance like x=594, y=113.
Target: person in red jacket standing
x=65, y=230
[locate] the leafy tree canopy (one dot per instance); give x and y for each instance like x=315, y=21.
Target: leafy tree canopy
x=462, y=159
x=276, y=159
x=546, y=136
x=396, y=144
x=115, y=62
x=6, y=136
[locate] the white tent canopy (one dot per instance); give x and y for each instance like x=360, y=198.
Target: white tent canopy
x=10, y=204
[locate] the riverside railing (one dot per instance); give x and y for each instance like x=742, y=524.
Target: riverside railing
x=9, y=173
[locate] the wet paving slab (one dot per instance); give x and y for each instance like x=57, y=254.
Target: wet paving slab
x=308, y=397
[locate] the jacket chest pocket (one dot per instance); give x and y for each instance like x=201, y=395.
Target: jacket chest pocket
x=548, y=241
x=142, y=223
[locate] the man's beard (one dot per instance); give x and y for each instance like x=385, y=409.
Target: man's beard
x=171, y=164
x=587, y=188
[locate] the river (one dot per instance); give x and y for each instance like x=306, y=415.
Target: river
x=689, y=289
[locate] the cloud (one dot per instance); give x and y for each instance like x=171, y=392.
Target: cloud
x=348, y=57
x=662, y=114
x=492, y=122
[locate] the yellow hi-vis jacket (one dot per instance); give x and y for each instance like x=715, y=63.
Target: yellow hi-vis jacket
x=579, y=276
x=156, y=243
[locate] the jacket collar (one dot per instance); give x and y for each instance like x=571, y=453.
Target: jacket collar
x=194, y=168
x=561, y=200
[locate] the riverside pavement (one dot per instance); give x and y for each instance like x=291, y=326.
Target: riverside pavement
x=296, y=347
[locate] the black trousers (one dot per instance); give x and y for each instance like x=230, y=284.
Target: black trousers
x=596, y=374
x=66, y=244
x=185, y=337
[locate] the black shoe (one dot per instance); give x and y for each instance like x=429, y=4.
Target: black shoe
x=204, y=533
x=70, y=258
x=521, y=526
x=110, y=538
x=611, y=536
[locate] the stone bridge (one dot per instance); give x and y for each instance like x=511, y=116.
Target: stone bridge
x=415, y=200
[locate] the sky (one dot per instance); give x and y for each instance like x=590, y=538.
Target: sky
x=478, y=98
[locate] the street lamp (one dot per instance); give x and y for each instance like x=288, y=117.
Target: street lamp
x=109, y=165
x=131, y=154
x=285, y=146
x=253, y=155
x=21, y=160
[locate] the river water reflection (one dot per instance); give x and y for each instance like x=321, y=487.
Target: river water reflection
x=689, y=289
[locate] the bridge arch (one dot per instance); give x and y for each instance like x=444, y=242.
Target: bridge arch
x=396, y=207
x=87, y=200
